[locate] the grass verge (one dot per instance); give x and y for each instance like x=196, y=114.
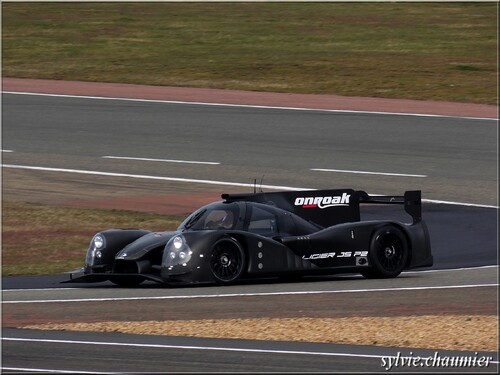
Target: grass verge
x=40, y=239
x=439, y=51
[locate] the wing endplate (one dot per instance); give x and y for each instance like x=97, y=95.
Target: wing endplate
x=412, y=200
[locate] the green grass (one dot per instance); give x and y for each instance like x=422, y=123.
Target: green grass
x=39, y=239
x=438, y=51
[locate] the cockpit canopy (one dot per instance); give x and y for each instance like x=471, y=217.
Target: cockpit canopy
x=264, y=219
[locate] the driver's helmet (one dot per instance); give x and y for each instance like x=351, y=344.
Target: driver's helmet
x=219, y=219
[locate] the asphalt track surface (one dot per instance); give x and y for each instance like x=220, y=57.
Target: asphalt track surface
x=448, y=158
x=457, y=156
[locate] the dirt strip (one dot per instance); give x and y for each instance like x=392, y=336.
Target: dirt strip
x=455, y=332
x=332, y=102
x=444, y=319
x=400, y=303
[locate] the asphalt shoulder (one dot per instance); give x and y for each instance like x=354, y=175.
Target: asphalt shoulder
x=252, y=98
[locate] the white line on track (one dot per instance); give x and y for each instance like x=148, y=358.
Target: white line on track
x=110, y=174
x=450, y=269
x=212, y=348
x=247, y=106
x=193, y=347
x=262, y=294
x=25, y=369
x=161, y=160
x=209, y=182
x=364, y=172
x=405, y=272
x=7, y=151
x=459, y=203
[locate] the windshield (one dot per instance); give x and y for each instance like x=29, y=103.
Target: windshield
x=192, y=219
x=213, y=216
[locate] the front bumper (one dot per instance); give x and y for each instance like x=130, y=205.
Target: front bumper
x=79, y=276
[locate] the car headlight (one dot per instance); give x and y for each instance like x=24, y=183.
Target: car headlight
x=94, y=253
x=98, y=241
x=178, y=242
x=176, y=252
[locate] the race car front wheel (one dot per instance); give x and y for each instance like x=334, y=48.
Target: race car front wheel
x=227, y=261
x=388, y=253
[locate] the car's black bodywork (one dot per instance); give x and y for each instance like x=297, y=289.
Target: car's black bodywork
x=265, y=234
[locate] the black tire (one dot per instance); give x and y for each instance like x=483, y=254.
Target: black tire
x=388, y=253
x=227, y=261
x=369, y=274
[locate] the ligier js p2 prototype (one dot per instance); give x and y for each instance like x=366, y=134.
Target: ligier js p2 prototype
x=265, y=234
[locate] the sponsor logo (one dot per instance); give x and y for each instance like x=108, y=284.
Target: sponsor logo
x=340, y=254
x=319, y=256
x=323, y=202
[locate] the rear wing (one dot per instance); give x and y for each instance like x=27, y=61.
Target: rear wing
x=330, y=207
x=412, y=201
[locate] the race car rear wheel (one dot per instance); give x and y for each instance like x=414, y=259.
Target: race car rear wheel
x=388, y=253
x=227, y=261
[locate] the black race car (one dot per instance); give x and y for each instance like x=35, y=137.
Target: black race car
x=265, y=234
